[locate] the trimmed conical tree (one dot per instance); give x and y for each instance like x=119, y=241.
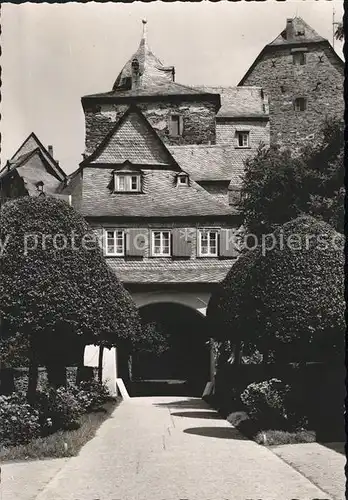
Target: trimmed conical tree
x=288, y=300
x=56, y=289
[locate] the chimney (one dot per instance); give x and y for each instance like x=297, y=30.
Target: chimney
x=289, y=29
x=50, y=150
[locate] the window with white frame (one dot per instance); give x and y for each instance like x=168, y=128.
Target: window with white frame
x=182, y=179
x=208, y=242
x=161, y=243
x=243, y=139
x=127, y=183
x=114, y=241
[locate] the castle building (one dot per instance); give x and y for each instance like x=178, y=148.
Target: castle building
x=161, y=175
x=303, y=77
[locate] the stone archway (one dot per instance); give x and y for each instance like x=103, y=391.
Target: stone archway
x=186, y=360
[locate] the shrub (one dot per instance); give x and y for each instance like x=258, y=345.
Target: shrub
x=58, y=409
x=19, y=422
x=287, y=302
x=68, y=295
x=266, y=402
x=91, y=395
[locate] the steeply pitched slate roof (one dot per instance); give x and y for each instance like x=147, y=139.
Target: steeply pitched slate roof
x=299, y=26
x=153, y=78
x=191, y=271
x=151, y=90
x=151, y=70
x=30, y=144
x=211, y=163
x=161, y=197
x=33, y=167
x=240, y=101
x=132, y=139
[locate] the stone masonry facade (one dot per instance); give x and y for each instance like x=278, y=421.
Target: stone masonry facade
x=198, y=120
x=319, y=81
x=259, y=131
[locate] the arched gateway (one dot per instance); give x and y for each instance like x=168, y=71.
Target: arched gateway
x=183, y=362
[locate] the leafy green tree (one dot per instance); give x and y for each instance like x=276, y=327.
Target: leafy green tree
x=339, y=32
x=287, y=302
x=56, y=288
x=279, y=186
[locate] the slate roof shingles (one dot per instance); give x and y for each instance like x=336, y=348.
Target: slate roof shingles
x=133, y=142
x=133, y=139
x=240, y=101
x=299, y=26
x=212, y=163
x=161, y=197
x=191, y=271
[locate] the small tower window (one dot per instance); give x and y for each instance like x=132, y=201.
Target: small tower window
x=40, y=186
x=135, y=65
x=300, y=104
x=299, y=58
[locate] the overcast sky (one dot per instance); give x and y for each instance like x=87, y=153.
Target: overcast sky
x=54, y=54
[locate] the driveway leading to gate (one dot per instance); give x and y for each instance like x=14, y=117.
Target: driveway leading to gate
x=173, y=448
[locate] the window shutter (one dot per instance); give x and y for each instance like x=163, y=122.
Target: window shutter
x=170, y=125
x=136, y=242
x=228, y=244
x=181, y=125
x=182, y=242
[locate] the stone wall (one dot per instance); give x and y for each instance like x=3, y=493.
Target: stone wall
x=259, y=131
x=198, y=121
x=320, y=81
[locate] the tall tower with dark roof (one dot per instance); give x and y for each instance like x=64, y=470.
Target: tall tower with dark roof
x=303, y=77
x=181, y=115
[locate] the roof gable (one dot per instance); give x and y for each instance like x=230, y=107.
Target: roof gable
x=32, y=143
x=297, y=31
x=131, y=140
x=33, y=168
x=300, y=35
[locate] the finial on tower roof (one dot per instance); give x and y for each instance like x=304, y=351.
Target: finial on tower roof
x=144, y=21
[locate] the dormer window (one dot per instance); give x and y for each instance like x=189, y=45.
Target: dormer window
x=127, y=183
x=182, y=179
x=40, y=186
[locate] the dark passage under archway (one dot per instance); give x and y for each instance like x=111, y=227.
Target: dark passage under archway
x=181, y=365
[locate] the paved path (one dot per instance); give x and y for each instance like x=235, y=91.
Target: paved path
x=321, y=465
x=171, y=449
x=24, y=480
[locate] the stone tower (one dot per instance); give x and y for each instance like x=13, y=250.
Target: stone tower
x=180, y=115
x=303, y=77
